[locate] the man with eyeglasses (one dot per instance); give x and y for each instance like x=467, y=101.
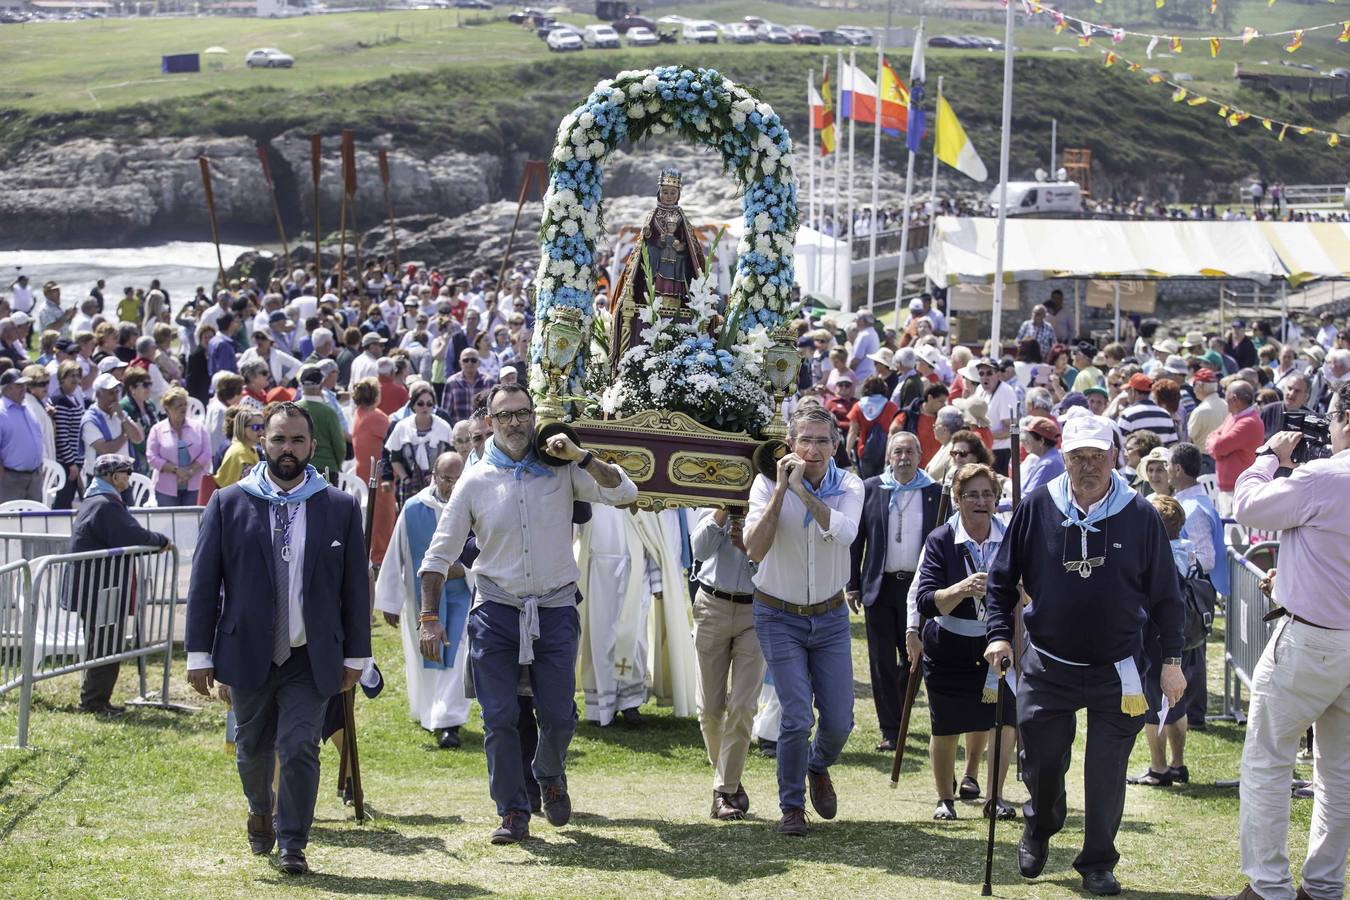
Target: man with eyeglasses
x=463, y=386
x=520, y=511
x=1301, y=679
x=436, y=695
x=899, y=510
x=799, y=530
x=1001, y=401
x=1095, y=559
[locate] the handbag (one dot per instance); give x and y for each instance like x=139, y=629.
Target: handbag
x=1199, y=598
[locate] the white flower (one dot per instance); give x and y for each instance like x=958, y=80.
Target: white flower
x=569, y=267
x=552, y=232
x=762, y=243
x=578, y=137
x=569, y=227
x=597, y=149
x=745, y=106
x=566, y=124
x=764, y=110
x=586, y=120
x=658, y=128
x=650, y=83
x=769, y=166
x=636, y=111
x=737, y=117
x=702, y=125
x=562, y=153
x=583, y=153
x=657, y=384
x=763, y=222
x=757, y=302
x=653, y=105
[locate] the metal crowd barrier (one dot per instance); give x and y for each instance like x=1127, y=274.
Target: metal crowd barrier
x=78, y=611
x=1245, y=629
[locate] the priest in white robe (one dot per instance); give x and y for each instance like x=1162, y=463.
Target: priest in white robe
x=636, y=632
x=436, y=695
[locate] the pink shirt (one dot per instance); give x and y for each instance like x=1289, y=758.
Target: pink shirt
x=1310, y=511
x=161, y=446
x=1234, y=444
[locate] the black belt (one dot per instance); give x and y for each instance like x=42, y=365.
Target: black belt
x=899, y=575
x=23, y=471
x=726, y=595
x=800, y=609
x=1280, y=611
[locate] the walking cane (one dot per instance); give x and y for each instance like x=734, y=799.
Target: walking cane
x=912, y=685
x=1015, y=470
x=988, y=889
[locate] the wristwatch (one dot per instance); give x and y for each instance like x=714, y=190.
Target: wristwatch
x=1172, y=661
x=585, y=460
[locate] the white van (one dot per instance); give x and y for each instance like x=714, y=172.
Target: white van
x=1040, y=197
x=700, y=32
x=600, y=36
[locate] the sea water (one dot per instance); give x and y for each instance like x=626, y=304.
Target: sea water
x=180, y=266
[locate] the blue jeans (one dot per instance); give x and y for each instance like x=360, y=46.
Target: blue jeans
x=283, y=718
x=184, y=497
x=808, y=656
x=494, y=642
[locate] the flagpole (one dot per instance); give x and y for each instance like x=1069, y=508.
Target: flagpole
x=813, y=278
x=876, y=172
x=909, y=185
x=834, y=211
x=932, y=185
x=1004, y=148
x=852, y=130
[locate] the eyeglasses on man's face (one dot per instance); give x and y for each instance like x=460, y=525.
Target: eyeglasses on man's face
x=506, y=416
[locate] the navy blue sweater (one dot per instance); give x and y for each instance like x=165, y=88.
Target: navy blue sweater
x=1097, y=620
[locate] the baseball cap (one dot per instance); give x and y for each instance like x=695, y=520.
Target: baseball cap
x=111, y=463
x=929, y=354
x=916, y=305
x=106, y=382
x=1206, y=375
x=21, y=318
x=311, y=374
x=66, y=345
x=504, y=370
x=1072, y=399
x=110, y=364
x=12, y=376
x=1089, y=431
x=1097, y=389
x=276, y=315
x=804, y=341
x=1046, y=428
x=1141, y=382
x=280, y=395
x=371, y=337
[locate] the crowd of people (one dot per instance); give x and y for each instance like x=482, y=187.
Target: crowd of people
x=896, y=498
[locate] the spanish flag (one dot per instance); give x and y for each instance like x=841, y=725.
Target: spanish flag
x=822, y=115
x=894, y=100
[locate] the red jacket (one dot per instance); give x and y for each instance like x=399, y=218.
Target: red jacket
x=1233, y=445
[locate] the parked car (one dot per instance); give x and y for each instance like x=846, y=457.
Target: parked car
x=1339, y=73
x=949, y=41
x=627, y=22
x=804, y=34
x=637, y=36
x=545, y=25
x=524, y=14
x=754, y=21
x=564, y=38
x=602, y=36
x=473, y=4
x=864, y=35
x=841, y=39
x=700, y=33
x=268, y=58
x=770, y=33
x=738, y=33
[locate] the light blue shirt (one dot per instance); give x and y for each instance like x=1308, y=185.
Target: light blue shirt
x=20, y=438
x=721, y=567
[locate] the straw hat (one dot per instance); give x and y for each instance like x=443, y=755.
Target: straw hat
x=975, y=410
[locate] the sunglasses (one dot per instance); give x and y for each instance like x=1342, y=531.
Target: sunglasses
x=423, y=404
x=255, y=428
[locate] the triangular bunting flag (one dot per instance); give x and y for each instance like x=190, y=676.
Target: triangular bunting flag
x=1295, y=42
x=1178, y=95
x=1213, y=47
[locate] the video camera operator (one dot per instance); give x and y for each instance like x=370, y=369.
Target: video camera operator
x=1302, y=678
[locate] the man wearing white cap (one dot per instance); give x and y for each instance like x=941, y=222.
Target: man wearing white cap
x=105, y=427
x=1094, y=557
x=865, y=343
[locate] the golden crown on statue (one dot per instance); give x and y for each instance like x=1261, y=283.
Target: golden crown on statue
x=669, y=177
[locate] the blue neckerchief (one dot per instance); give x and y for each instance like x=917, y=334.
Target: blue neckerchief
x=99, y=486
x=832, y=485
x=1117, y=498
x=996, y=530
x=872, y=405
x=497, y=457
x=256, y=484
x=918, y=482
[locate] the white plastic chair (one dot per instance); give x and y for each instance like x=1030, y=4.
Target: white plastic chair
x=195, y=409
x=349, y=483
x=1210, y=483
x=23, y=506
x=53, y=479
x=142, y=491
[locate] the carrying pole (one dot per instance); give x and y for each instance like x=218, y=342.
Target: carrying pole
x=276, y=208
x=389, y=205
x=211, y=211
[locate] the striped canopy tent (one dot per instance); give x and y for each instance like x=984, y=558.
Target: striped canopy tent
x=1310, y=250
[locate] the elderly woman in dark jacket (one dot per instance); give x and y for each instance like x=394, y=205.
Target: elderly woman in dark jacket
x=950, y=591
x=103, y=591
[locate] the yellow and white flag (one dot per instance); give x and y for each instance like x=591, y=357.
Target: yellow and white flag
x=952, y=145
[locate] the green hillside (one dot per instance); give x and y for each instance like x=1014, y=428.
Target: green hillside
x=483, y=85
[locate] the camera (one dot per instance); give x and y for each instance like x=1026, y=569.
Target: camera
x=1316, y=431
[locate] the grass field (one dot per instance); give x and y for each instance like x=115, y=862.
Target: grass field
x=150, y=806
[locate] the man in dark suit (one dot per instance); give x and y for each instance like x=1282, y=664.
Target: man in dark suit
x=899, y=510
x=279, y=613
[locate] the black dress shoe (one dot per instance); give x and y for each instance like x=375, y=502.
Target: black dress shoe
x=557, y=804
x=740, y=799
x=1103, y=884
x=293, y=862
x=261, y=836
x=793, y=823
x=631, y=716
x=887, y=745
x=823, y=797
x=1031, y=856
x=448, y=739
x=768, y=748
x=970, y=789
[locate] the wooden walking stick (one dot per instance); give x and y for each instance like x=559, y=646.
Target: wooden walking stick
x=389, y=205
x=276, y=207
x=988, y=889
x=205, y=164
x=315, y=169
x=912, y=685
x=1015, y=470
x=533, y=169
